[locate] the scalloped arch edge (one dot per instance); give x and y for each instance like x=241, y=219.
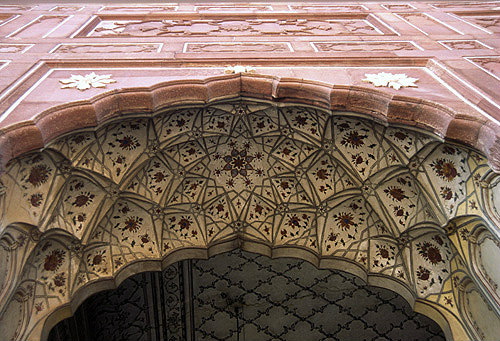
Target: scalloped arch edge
x=478, y=133
x=423, y=307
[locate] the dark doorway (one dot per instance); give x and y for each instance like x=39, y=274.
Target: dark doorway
x=244, y=296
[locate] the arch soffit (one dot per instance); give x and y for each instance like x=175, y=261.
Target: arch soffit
x=374, y=104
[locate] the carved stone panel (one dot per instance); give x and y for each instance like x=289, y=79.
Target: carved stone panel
x=15, y=8
x=490, y=21
x=463, y=44
x=134, y=9
x=329, y=8
x=427, y=24
x=106, y=48
x=15, y=48
x=489, y=64
x=360, y=46
x=4, y=18
x=238, y=47
x=468, y=5
x=233, y=8
x=66, y=8
x=40, y=27
x=233, y=27
x=398, y=7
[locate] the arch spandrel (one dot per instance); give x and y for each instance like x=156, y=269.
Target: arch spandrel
x=334, y=187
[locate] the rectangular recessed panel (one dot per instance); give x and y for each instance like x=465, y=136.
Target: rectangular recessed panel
x=364, y=46
x=135, y=9
x=107, y=48
x=488, y=21
x=328, y=8
x=240, y=47
x=427, y=24
x=39, y=27
x=234, y=8
x=233, y=26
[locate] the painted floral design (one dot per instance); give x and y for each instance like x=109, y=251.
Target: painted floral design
x=36, y=199
x=132, y=224
x=83, y=199
x=59, y=279
x=395, y=193
x=295, y=223
x=423, y=273
x=39, y=175
x=184, y=226
x=54, y=260
x=445, y=169
x=384, y=255
x=128, y=142
x=97, y=261
x=446, y=193
x=238, y=162
x=345, y=220
x=430, y=252
x=353, y=139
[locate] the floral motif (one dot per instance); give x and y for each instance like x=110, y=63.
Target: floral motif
x=39, y=175
x=132, y=224
x=97, y=261
x=86, y=82
x=238, y=162
x=445, y=169
x=54, y=260
x=83, y=199
x=239, y=68
x=59, y=279
x=423, y=273
x=430, y=252
x=36, y=199
x=385, y=255
x=396, y=193
x=390, y=80
x=345, y=220
x=447, y=193
x=353, y=139
x=128, y=142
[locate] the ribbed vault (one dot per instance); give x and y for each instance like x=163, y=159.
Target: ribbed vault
x=141, y=191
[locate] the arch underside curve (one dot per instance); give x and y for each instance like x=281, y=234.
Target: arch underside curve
x=143, y=190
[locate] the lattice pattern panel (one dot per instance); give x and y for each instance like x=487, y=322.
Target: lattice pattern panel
x=244, y=296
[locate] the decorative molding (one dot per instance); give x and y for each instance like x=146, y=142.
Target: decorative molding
x=107, y=48
x=138, y=8
x=432, y=117
x=390, y=80
x=240, y=47
x=398, y=7
x=15, y=48
x=40, y=27
x=330, y=8
x=234, y=8
x=365, y=46
x=238, y=27
x=489, y=64
x=91, y=80
x=466, y=44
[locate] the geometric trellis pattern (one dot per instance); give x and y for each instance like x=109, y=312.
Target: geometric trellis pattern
x=283, y=176
x=241, y=295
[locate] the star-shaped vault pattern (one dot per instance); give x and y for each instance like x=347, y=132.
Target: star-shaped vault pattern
x=287, y=177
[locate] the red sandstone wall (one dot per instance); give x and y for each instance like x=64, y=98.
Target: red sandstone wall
x=452, y=49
